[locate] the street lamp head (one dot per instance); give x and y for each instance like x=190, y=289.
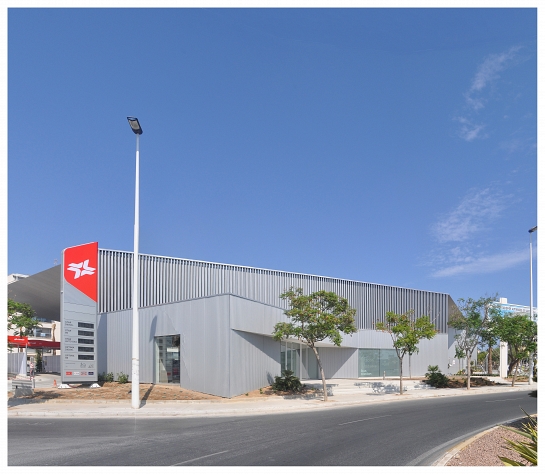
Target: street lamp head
x=135, y=125
x=533, y=229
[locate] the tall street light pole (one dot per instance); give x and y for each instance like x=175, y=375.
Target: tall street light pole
x=135, y=375
x=531, y=368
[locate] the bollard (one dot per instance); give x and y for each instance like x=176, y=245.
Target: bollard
x=384, y=376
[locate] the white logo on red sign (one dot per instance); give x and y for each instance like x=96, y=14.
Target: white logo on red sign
x=82, y=272
x=81, y=269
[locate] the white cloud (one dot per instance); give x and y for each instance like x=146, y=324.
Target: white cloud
x=469, y=131
x=491, y=66
x=462, y=236
x=487, y=264
x=487, y=72
x=472, y=215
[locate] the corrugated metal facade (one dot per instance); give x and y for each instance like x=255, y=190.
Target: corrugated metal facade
x=167, y=280
x=225, y=315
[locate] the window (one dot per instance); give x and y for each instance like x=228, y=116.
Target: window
x=377, y=362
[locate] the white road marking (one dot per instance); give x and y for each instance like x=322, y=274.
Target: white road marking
x=504, y=400
x=202, y=457
x=357, y=421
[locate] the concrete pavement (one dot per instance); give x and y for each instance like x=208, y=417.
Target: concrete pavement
x=343, y=392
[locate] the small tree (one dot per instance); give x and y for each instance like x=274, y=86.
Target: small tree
x=488, y=338
x=314, y=318
x=520, y=333
x=471, y=324
x=21, y=318
x=406, y=332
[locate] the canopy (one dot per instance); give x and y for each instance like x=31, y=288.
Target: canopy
x=33, y=343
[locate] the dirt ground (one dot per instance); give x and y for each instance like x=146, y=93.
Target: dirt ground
x=461, y=382
x=118, y=391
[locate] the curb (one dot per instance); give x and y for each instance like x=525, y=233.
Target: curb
x=443, y=460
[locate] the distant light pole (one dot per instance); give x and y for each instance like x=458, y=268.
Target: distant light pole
x=135, y=375
x=531, y=368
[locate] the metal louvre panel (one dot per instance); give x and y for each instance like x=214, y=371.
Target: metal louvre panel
x=166, y=280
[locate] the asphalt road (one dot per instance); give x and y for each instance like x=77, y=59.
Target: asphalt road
x=415, y=432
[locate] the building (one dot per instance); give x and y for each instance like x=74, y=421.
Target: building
x=16, y=277
x=48, y=331
x=207, y=326
x=506, y=308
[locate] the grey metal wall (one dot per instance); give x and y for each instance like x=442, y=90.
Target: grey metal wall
x=52, y=363
x=225, y=349
x=259, y=318
x=213, y=358
x=339, y=362
x=254, y=362
x=15, y=360
x=167, y=280
x=203, y=326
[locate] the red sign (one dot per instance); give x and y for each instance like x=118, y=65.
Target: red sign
x=36, y=343
x=23, y=341
x=68, y=373
x=81, y=268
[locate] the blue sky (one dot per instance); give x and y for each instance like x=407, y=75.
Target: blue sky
x=393, y=146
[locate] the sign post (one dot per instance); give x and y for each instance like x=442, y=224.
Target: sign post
x=79, y=287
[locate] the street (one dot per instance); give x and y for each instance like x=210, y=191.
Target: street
x=415, y=432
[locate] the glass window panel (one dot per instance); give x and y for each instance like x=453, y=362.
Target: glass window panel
x=368, y=362
x=288, y=359
x=167, y=359
x=282, y=357
x=389, y=362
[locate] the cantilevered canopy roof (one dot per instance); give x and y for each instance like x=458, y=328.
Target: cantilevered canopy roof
x=42, y=291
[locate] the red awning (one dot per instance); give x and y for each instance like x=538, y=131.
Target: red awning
x=33, y=343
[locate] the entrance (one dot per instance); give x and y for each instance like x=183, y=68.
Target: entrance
x=167, y=359
x=300, y=359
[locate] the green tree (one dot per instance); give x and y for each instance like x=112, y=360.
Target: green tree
x=21, y=318
x=520, y=333
x=483, y=355
x=406, y=332
x=314, y=318
x=488, y=338
x=471, y=323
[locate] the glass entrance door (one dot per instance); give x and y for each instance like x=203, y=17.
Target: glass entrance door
x=167, y=359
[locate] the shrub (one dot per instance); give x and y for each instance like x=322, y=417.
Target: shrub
x=106, y=377
x=435, y=378
x=122, y=378
x=287, y=383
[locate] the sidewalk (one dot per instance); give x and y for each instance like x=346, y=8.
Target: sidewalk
x=344, y=393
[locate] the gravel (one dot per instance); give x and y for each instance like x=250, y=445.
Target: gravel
x=485, y=450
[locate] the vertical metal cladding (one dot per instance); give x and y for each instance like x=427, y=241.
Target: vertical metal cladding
x=168, y=280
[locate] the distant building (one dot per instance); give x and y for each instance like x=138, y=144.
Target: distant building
x=16, y=277
x=506, y=307
x=49, y=330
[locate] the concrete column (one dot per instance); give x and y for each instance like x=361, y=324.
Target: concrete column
x=503, y=359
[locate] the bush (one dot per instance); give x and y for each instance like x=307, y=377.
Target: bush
x=435, y=378
x=122, y=378
x=287, y=383
x=106, y=377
